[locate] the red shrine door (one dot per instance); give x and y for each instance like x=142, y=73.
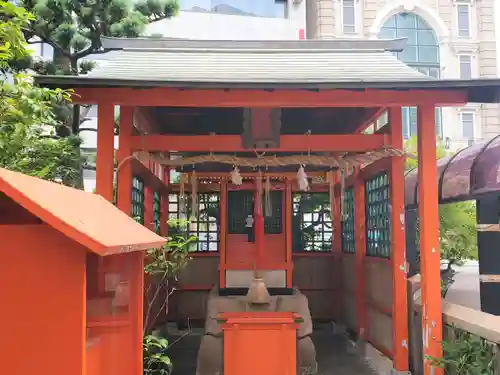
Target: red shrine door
x=241, y=244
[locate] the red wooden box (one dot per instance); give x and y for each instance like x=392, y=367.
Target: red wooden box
x=261, y=343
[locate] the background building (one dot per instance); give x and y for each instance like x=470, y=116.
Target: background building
x=236, y=19
x=452, y=39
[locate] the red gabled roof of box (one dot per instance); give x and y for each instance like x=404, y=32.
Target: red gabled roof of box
x=84, y=217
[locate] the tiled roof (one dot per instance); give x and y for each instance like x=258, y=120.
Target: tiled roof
x=175, y=60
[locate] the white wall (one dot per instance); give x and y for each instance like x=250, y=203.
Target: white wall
x=194, y=25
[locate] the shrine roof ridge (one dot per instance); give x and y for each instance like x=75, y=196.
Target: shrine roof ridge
x=255, y=46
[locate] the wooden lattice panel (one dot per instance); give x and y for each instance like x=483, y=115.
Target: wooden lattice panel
x=204, y=225
x=313, y=214
x=378, y=236
x=157, y=211
x=138, y=199
x=348, y=228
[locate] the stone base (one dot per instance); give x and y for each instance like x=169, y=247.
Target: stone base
x=378, y=362
x=396, y=372
x=338, y=329
x=210, y=355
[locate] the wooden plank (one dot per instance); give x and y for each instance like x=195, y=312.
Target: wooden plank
x=279, y=98
x=233, y=143
x=398, y=246
x=105, y=151
x=489, y=278
x=360, y=245
x=488, y=227
x=429, y=240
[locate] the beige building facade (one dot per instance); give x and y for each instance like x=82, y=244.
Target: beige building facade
x=449, y=39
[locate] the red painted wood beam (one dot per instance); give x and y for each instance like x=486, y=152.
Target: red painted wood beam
x=398, y=244
x=223, y=232
x=144, y=120
x=360, y=246
x=123, y=154
x=173, y=97
x=432, y=324
x=232, y=143
x=149, y=178
x=105, y=151
x=369, y=119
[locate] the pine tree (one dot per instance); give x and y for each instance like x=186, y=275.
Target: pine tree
x=74, y=28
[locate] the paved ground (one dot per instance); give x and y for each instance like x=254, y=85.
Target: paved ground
x=465, y=289
x=332, y=354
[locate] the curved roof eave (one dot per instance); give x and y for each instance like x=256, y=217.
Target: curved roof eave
x=482, y=174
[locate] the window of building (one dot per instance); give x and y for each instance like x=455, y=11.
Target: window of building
x=467, y=119
x=349, y=16
x=138, y=199
x=157, y=211
x=421, y=53
x=378, y=236
x=463, y=19
x=312, y=222
x=465, y=66
x=348, y=230
x=256, y=8
x=204, y=224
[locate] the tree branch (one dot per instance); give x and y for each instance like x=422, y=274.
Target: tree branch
x=36, y=42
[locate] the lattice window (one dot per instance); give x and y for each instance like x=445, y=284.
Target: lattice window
x=239, y=206
x=378, y=238
x=348, y=229
x=312, y=222
x=138, y=199
x=205, y=226
x=157, y=211
x=273, y=224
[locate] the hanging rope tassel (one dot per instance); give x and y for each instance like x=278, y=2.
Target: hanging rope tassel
x=194, y=196
x=259, y=191
x=302, y=179
x=267, y=198
x=331, y=192
x=236, y=176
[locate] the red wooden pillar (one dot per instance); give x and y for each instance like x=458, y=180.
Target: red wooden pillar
x=360, y=246
x=105, y=165
x=124, y=170
x=336, y=216
x=136, y=313
x=259, y=222
x=288, y=232
x=148, y=207
x=105, y=150
x=398, y=242
x=429, y=239
x=223, y=232
x=124, y=203
x=338, y=300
